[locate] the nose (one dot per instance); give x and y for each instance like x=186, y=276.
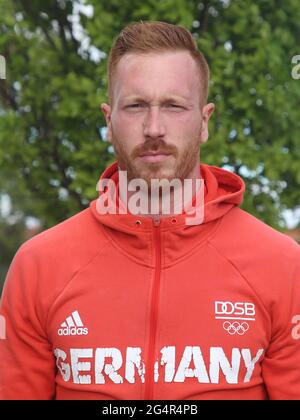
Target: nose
x=153, y=124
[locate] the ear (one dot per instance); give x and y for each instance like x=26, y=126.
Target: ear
x=207, y=111
x=106, y=109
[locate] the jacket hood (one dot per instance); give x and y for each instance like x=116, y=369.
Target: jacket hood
x=223, y=190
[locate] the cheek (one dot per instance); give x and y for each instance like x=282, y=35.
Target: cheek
x=184, y=123
x=194, y=132
x=127, y=131
x=182, y=131
x=126, y=123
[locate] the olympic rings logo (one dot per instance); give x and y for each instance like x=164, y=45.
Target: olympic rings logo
x=235, y=327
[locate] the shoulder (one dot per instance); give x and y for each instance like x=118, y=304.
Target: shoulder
x=74, y=238
x=267, y=260
x=239, y=230
x=46, y=263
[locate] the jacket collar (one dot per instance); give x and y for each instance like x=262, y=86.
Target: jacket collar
x=134, y=234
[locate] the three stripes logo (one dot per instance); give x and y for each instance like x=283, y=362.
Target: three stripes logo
x=73, y=325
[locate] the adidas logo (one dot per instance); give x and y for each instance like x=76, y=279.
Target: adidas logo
x=73, y=326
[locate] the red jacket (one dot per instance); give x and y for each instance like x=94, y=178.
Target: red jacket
x=102, y=307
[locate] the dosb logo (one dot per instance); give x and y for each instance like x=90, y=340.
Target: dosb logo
x=235, y=309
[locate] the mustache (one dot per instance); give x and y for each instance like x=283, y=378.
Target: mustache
x=154, y=146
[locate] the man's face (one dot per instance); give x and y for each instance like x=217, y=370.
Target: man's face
x=156, y=123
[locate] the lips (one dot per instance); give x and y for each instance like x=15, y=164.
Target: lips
x=154, y=153
x=151, y=157
x=154, y=157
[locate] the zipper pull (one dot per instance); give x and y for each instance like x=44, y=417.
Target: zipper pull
x=156, y=220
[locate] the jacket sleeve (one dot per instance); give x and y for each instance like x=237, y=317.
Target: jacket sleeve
x=281, y=366
x=27, y=367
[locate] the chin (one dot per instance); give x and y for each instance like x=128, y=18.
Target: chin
x=160, y=174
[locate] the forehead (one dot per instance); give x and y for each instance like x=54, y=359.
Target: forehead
x=157, y=74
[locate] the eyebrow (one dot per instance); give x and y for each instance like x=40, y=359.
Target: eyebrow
x=171, y=98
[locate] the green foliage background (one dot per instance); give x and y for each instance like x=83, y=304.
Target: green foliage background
x=51, y=152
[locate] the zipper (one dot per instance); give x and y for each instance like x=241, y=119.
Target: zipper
x=154, y=311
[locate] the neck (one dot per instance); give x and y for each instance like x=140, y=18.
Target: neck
x=169, y=200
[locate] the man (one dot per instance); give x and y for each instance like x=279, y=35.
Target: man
x=121, y=305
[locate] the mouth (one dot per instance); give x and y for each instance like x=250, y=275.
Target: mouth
x=154, y=157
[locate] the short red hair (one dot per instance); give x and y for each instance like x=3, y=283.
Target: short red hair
x=155, y=36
